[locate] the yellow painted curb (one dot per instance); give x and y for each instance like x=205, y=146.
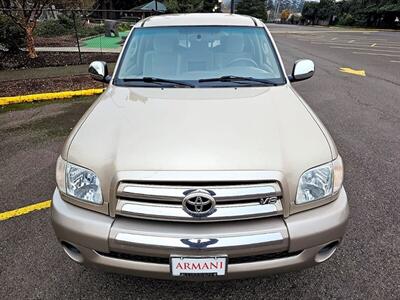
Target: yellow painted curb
x=48, y=96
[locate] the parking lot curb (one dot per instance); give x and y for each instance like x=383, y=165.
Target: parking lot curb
x=48, y=96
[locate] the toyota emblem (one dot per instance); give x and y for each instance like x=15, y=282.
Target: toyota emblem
x=199, y=203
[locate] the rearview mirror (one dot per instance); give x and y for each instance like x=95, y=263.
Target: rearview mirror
x=302, y=69
x=98, y=70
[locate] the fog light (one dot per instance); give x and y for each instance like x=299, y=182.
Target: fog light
x=72, y=252
x=326, y=252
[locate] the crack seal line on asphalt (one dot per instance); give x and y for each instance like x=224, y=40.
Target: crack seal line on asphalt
x=320, y=31
x=378, y=54
x=48, y=96
x=24, y=210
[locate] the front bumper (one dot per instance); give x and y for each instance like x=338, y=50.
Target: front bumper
x=255, y=247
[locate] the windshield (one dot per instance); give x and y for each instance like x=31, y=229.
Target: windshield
x=197, y=53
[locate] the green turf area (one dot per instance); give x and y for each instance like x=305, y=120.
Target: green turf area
x=104, y=41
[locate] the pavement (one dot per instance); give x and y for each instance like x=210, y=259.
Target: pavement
x=362, y=114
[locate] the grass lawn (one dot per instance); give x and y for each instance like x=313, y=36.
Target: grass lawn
x=105, y=42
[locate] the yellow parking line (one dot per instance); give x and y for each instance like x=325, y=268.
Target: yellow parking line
x=352, y=71
x=48, y=96
x=24, y=210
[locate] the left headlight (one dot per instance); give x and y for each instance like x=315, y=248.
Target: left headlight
x=320, y=182
x=78, y=182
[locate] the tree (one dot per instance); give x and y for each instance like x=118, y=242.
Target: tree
x=326, y=9
x=172, y=6
x=25, y=13
x=75, y=4
x=379, y=13
x=255, y=8
x=310, y=11
x=285, y=15
x=209, y=5
x=298, y=5
x=184, y=6
x=11, y=37
x=118, y=4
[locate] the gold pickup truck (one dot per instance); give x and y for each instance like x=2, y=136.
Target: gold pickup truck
x=200, y=161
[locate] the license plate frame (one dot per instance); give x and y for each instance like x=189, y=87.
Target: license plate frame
x=201, y=261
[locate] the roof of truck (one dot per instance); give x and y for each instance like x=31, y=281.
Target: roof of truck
x=199, y=19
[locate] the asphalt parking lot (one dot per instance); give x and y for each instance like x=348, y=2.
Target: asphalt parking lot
x=362, y=114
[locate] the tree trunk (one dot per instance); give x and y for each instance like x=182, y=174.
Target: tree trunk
x=30, y=42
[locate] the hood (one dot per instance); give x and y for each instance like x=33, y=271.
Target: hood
x=249, y=128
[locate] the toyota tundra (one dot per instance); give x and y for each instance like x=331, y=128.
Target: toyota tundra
x=200, y=161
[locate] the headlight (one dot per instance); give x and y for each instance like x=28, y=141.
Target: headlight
x=320, y=182
x=78, y=182
x=83, y=184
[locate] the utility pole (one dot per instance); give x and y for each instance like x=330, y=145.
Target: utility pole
x=232, y=6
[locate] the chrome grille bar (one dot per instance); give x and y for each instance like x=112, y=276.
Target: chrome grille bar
x=175, y=212
x=177, y=193
x=268, y=238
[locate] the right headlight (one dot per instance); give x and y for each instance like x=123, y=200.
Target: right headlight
x=78, y=182
x=320, y=182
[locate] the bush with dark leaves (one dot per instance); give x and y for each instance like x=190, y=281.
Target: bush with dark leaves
x=64, y=25
x=12, y=37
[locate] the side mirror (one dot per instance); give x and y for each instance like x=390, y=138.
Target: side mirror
x=98, y=70
x=302, y=69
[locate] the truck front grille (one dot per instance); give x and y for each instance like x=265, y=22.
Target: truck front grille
x=231, y=201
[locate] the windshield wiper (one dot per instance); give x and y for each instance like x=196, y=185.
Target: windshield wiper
x=231, y=78
x=159, y=80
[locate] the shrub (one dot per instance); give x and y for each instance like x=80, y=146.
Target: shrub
x=12, y=37
x=124, y=27
x=64, y=25
x=85, y=31
x=51, y=28
x=347, y=20
x=68, y=21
